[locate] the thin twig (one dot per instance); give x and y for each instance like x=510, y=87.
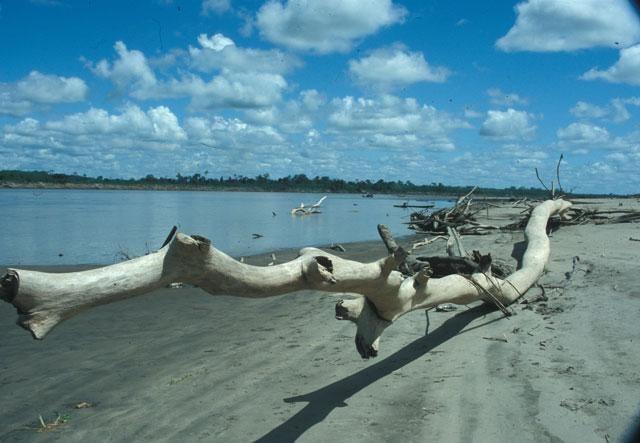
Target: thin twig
x=558, y=173
x=493, y=298
x=540, y=180
x=426, y=242
x=496, y=339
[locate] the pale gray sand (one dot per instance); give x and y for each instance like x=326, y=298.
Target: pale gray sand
x=179, y=365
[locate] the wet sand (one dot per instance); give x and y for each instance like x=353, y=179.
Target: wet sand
x=180, y=365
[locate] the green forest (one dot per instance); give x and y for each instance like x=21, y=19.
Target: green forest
x=290, y=183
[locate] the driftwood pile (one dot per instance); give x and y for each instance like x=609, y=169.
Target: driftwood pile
x=580, y=216
x=460, y=217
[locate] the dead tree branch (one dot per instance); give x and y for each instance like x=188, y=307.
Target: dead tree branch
x=381, y=293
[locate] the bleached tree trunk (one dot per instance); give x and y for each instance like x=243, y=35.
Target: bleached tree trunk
x=382, y=294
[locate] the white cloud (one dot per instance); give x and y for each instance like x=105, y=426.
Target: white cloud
x=293, y=116
x=157, y=125
x=38, y=90
x=499, y=98
x=136, y=142
x=232, y=134
x=130, y=72
x=391, y=122
x=97, y=137
x=619, y=111
x=508, y=125
x=389, y=68
x=625, y=70
x=312, y=99
x=588, y=110
x=325, y=25
x=567, y=25
x=50, y=89
x=11, y=103
x=583, y=135
x=215, y=6
x=216, y=42
x=246, y=78
x=229, y=90
x=616, y=110
x=219, y=52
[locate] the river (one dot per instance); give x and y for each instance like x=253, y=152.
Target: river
x=61, y=227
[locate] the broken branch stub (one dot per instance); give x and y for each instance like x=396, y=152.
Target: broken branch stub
x=383, y=294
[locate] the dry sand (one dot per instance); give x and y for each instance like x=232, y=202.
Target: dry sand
x=179, y=365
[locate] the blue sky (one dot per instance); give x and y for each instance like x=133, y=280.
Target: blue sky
x=462, y=92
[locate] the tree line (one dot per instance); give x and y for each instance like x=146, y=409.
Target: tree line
x=263, y=182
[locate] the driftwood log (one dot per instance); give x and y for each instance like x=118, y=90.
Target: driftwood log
x=381, y=294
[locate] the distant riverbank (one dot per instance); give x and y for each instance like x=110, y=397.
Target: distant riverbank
x=298, y=183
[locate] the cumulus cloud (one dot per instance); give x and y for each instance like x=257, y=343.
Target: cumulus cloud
x=219, y=52
x=129, y=73
x=231, y=134
x=499, y=98
x=391, y=122
x=551, y=25
x=11, y=103
x=157, y=124
x=215, y=6
x=390, y=68
x=325, y=25
x=616, y=110
x=296, y=116
x=245, y=78
x=625, y=70
x=583, y=135
x=508, y=125
x=588, y=110
x=216, y=42
x=229, y=90
x=38, y=90
x=97, y=139
x=135, y=141
x=312, y=99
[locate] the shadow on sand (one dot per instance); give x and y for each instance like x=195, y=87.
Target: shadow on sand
x=323, y=401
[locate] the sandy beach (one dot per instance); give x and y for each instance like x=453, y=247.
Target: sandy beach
x=180, y=365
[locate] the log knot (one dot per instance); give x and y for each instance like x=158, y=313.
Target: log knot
x=202, y=242
x=422, y=276
x=319, y=270
x=349, y=309
x=9, y=285
x=325, y=262
x=484, y=261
